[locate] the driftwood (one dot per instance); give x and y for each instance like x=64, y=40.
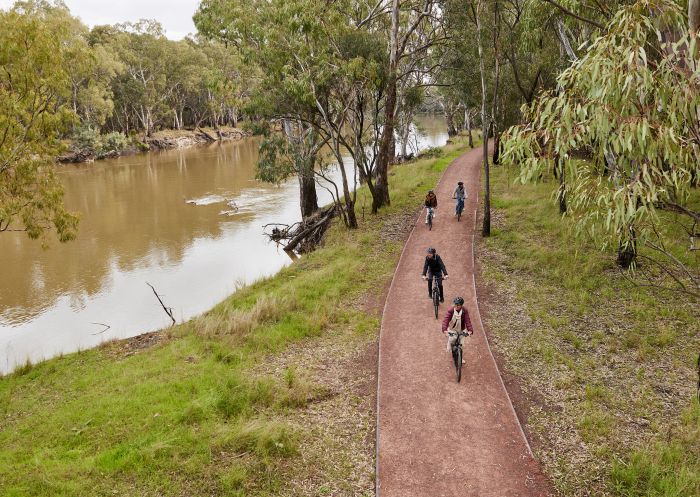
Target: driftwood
x=206, y=135
x=105, y=328
x=302, y=236
x=168, y=310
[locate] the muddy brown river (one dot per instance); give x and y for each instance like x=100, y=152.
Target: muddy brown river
x=165, y=218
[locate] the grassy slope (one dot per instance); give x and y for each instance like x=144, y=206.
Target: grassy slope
x=204, y=412
x=608, y=368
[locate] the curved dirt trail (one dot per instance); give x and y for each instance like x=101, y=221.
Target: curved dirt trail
x=438, y=438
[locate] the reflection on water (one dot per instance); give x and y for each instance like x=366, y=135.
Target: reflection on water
x=187, y=221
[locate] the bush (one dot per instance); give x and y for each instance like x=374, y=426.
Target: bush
x=430, y=153
x=114, y=142
x=86, y=139
x=257, y=128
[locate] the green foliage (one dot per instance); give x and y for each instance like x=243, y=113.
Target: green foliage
x=612, y=364
x=113, y=142
x=257, y=127
x=631, y=103
x=274, y=163
x=86, y=138
x=431, y=152
x=33, y=114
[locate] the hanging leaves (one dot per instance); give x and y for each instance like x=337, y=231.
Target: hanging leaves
x=631, y=106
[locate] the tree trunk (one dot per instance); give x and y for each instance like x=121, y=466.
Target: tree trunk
x=486, y=227
x=626, y=255
x=562, y=184
x=495, y=159
x=381, y=197
x=468, y=120
x=693, y=16
x=497, y=74
x=308, y=199
x=449, y=118
x=404, y=141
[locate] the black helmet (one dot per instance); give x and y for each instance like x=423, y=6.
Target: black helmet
x=431, y=250
x=460, y=183
x=458, y=301
x=430, y=191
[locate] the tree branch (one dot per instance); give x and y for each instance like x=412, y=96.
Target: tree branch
x=576, y=16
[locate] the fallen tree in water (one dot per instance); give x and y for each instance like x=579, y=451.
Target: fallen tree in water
x=303, y=236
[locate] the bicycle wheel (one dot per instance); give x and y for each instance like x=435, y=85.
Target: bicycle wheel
x=459, y=215
x=454, y=355
x=436, y=302
x=430, y=222
x=458, y=364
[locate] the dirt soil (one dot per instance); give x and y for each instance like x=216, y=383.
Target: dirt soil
x=438, y=437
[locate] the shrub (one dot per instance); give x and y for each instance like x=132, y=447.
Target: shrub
x=86, y=139
x=430, y=153
x=260, y=127
x=114, y=142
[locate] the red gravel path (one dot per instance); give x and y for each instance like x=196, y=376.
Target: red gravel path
x=437, y=437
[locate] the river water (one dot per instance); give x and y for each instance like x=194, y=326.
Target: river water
x=162, y=218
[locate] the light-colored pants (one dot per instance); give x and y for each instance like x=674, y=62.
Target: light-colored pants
x=427, y=211
x=453, y=339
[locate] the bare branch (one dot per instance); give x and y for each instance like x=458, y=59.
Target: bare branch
x=168, y=310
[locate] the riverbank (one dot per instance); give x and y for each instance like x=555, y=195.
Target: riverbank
x=160, y=140
x=602, y=372
x=271, y=392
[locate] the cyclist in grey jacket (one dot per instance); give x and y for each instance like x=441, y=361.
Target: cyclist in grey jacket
x=460, y=194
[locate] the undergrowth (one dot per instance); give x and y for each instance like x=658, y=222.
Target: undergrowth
x=608, y=366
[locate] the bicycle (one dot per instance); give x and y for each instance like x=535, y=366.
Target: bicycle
x=436, y=295
x=430, y=218
x=457, y=351
x=459, y=208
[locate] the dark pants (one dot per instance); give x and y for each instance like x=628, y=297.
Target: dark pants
x=430, y=286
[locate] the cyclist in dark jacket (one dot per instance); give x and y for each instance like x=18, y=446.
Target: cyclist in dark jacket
x=430, y=204
x=433, y=267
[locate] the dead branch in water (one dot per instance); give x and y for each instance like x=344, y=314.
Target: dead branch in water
x=304, y=235
x=168, y=310
x=106, y=327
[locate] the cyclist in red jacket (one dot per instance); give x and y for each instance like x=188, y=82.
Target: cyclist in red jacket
x=456, y=320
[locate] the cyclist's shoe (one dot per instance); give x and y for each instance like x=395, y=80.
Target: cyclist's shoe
x=442, y=300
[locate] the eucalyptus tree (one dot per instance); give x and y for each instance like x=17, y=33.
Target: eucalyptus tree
x=318, y=78
x=634, y=93
x=143, y=88
x=34, y=112
x=415, y=27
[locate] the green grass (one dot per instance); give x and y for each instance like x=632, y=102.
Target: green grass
x=610, y=365
x=188, y=416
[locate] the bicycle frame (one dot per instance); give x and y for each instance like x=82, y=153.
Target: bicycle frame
x=436, y=294
x=457, y=351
